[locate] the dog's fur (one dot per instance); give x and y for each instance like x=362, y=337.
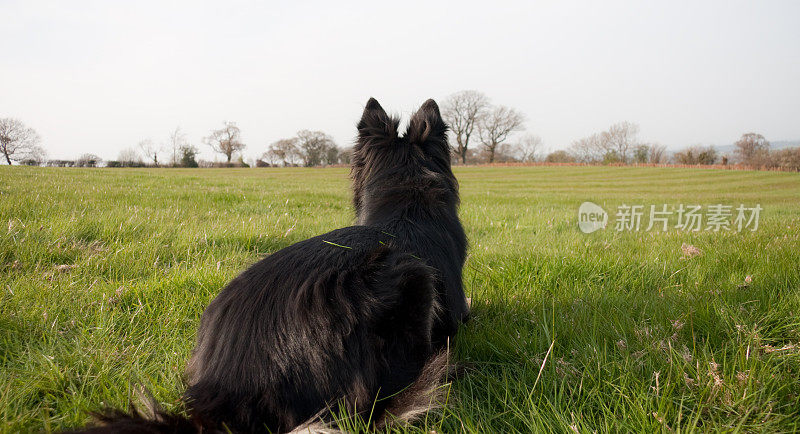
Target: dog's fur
x=355, y=319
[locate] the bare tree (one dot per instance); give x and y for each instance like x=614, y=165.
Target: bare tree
x=226, y=140
x=505, y=153
x=316, y=148
x=129, y=157
x=685, y=156
x=17, y=142
x=346, y=156
x=495, y=126
x=620, y=139
x=615, y=145
x=37, y=156
x=88, y=160
x=284, y=151
x=462, y=111
x=151, y=150
x=658, y=154
x=786, y=159
x=176, y=141
x=269, y=158
x=589, y=149
x=752, y=149
x=528, y=148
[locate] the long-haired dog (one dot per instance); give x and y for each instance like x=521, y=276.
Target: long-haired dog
x=353, y=320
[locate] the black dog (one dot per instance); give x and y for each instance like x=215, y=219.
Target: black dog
x=350, y=320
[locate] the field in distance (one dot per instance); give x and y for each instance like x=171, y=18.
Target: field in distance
x=105, y=272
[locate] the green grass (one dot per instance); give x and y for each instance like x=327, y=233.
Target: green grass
x=104, y=274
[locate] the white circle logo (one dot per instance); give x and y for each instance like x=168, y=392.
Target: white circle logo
x=591, y=217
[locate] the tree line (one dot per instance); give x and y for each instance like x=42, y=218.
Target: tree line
x=619, y=145
x=179, y=152
x=481, y=132
x=307, y=148
x=20, y=144
x=487, y=133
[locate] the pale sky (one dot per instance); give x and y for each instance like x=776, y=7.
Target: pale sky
x=101, y=76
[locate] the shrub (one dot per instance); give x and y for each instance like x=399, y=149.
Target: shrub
x=60, y=163
x=559, y=157
x=786, y=159
x=188, y=154
x=705, y=155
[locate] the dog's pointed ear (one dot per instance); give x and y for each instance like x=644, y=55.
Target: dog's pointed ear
x=375, y=124
x=373, y=105
x=427, y=124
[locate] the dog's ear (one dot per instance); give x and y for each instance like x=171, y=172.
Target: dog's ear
x=375, y=125
x=427, y=125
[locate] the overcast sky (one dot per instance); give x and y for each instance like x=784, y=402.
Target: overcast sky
x=101, y=76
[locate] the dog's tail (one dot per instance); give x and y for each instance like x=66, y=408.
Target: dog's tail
x=121, y=422
x=426, y=393
x=148, y=418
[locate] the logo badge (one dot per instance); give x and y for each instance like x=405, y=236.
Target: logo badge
x=591, y=217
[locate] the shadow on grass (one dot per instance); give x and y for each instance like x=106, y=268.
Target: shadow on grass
x=607, y=359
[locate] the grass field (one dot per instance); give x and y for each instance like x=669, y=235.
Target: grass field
x=104, y=274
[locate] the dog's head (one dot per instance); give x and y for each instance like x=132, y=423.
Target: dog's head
x=393, y=170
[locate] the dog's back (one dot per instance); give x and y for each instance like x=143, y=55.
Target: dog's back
x=343, y=318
